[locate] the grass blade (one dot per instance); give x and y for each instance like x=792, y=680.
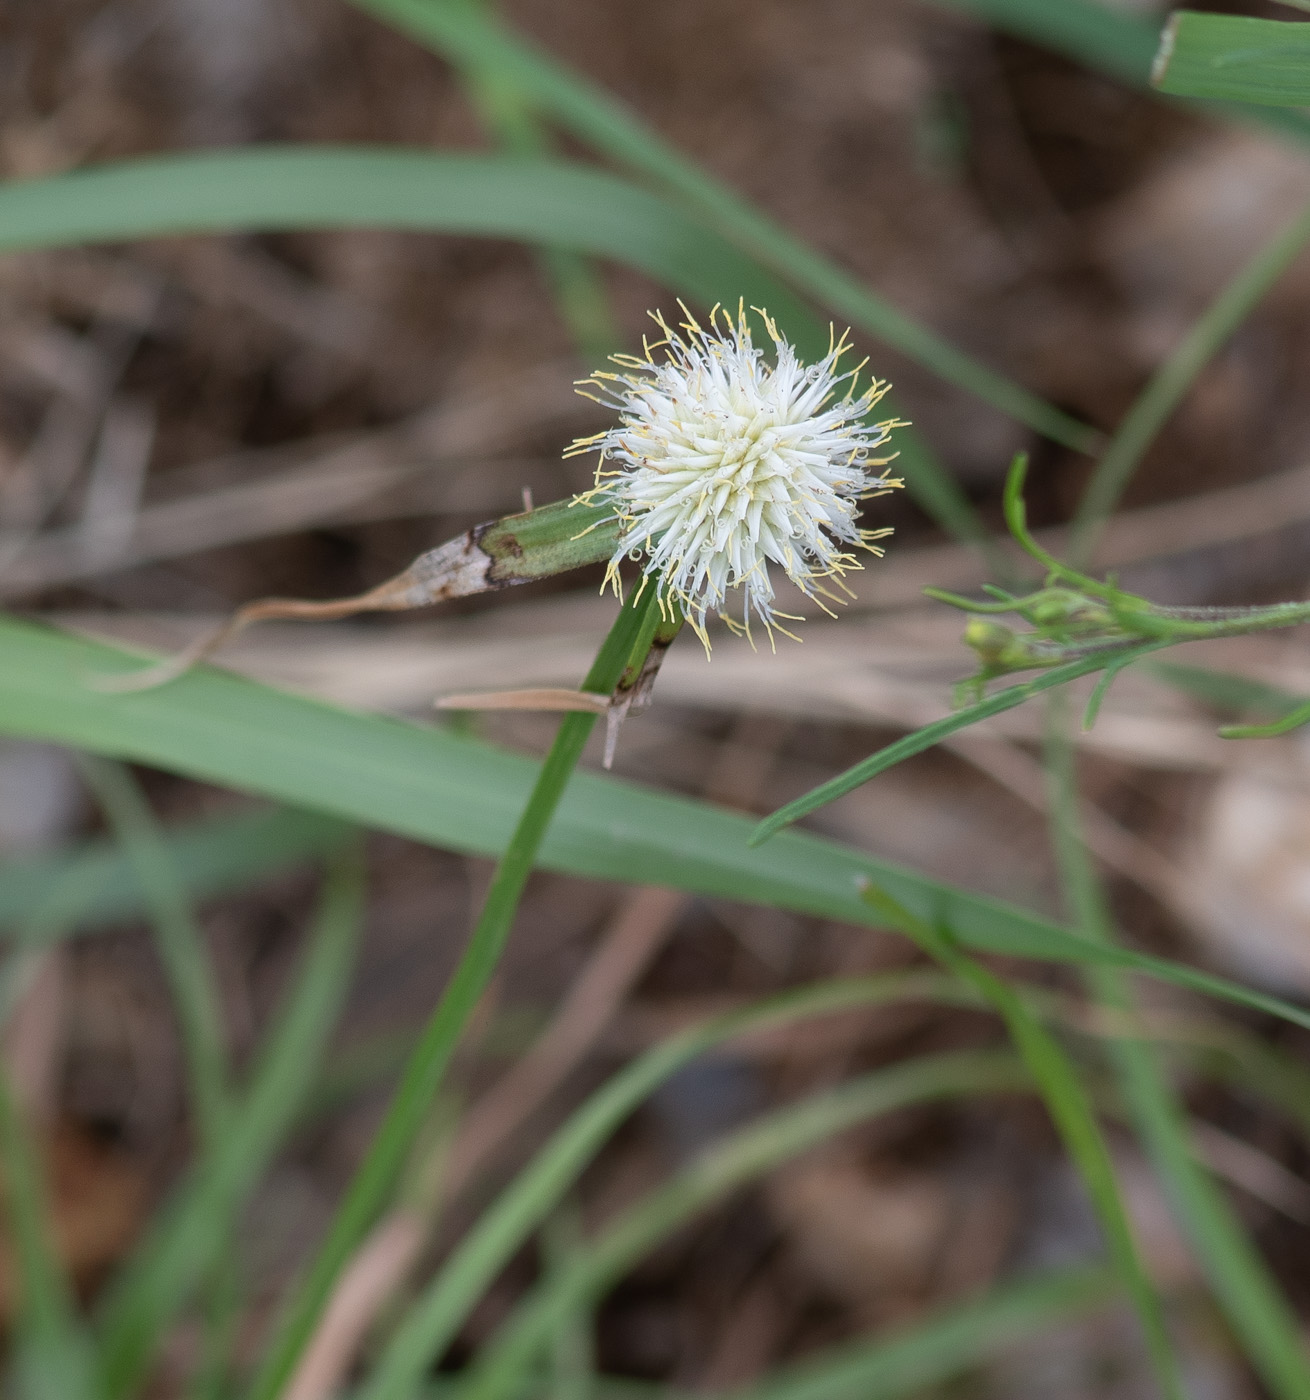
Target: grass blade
x=178, y=939
x=462, y=795
x=51, y=1353
x=1109, y=40
x=575, y=284
x=194, y=1229
x=271, y=188
x=473, y=40
x=741, y=1157
x=1234, y=58
x=572, y=1365
x=925, y=738
x=445, y=789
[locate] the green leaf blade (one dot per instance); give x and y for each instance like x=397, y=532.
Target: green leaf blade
x=272, y=188
x=462, y=795
x=1234, y=58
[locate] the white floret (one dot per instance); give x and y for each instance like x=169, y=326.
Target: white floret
x=723, y=462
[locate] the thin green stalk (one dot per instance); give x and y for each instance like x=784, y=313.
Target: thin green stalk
x=1249, y=1296
x=194, y=1228
x=196, y=998
x=1071, y=1111
x=376, y=1176
x=1170, y=383
x=178, y=939
x=506, y=1360
x=50, y=1352
x=437, y=1315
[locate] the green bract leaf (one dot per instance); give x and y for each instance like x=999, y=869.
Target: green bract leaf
x=1234, y=58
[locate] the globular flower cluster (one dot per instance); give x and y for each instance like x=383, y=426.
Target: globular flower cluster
x=724, y=462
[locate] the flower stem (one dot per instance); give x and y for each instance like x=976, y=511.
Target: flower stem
x=375, y=1178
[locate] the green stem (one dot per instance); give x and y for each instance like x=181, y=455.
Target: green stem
x=50, y=1352
x=573, y=1348
x=1174, y=378
x=46, y=1301
x=374, y=1180
x=1250, y=1298
x=221, y=1317
x=1188, y=624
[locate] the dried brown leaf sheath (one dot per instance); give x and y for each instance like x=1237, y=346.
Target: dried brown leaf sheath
x=498, y=554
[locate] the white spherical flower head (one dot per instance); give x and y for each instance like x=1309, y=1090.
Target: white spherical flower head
x=724, y=462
